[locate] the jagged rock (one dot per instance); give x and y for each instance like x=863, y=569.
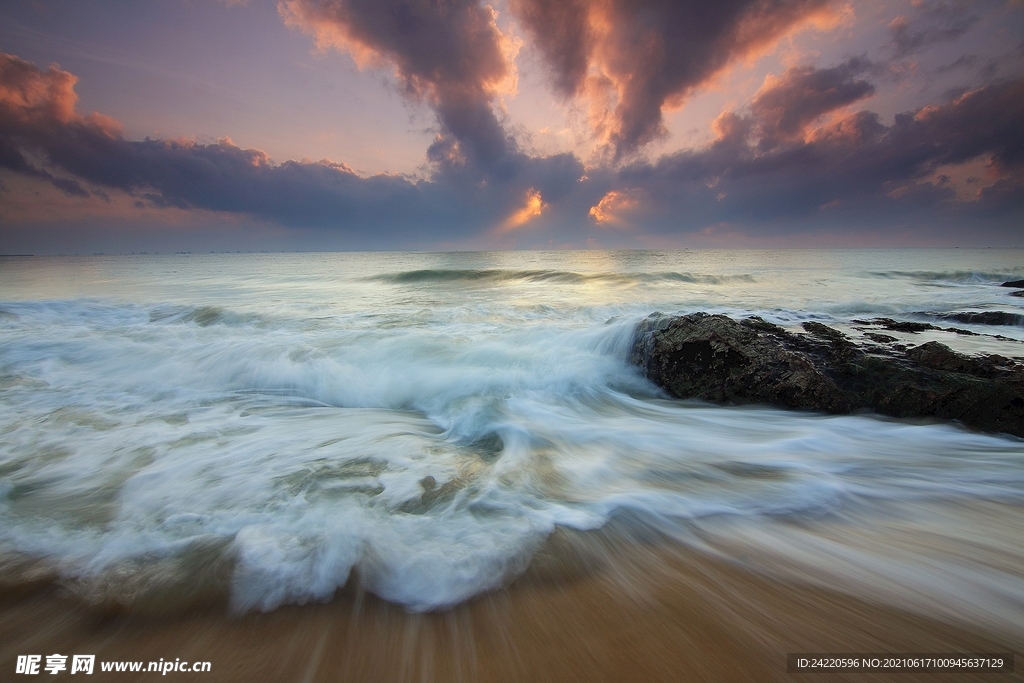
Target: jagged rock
x=1019, y=292
x=718, y=359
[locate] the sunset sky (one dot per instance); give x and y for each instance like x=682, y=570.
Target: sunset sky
x=199, y=125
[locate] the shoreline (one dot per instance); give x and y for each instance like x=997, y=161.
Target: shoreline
x=597, y=606
x=182, y=442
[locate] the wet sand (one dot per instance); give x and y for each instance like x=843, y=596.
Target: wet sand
x=591, y=607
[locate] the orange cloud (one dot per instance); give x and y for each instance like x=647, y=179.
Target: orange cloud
x=30, y=94
x=532, y=208
x=632, y=59
x=788, y=105
x=608, y=210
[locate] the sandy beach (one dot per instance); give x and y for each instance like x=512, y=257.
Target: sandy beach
x=591, y=607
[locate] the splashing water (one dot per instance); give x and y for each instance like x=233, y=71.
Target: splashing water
x=429, y=419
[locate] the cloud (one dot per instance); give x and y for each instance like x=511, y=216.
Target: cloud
x=29, y=93
x=29, y=99
x=42, y=136
x=40, y=132
x=796, y=155
x=561, y=29
x=533, y=206
x=644, y=55
x=638, y=55
x=851, y=168
x=449, y=54
x=609, y=210
x=786, y=105
x=935, y=22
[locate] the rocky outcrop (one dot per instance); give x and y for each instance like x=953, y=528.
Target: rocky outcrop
x=984, y=317
x=716, y=358
x=1015, y=283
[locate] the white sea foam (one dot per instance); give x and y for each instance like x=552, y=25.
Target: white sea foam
x=424, y=431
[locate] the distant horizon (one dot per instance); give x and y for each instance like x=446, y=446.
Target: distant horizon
x=499, y=251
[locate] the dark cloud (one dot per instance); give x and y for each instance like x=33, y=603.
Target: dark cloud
x=803, y=94
x=963, y=62
x=453, y=56
x=990, y=69
x=561, y=30
x=652, y=52
x=856, y=167
x=449, y=54
x=29, y=95
x=934, y=22
x=40, y=132
x=793, y=157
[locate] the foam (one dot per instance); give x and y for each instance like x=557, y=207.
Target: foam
x=425, y=441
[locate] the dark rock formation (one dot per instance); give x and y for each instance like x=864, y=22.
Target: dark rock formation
x=984, y=318
x=718, y=359
x=1013, y=283
x=914, y=328
x=899, y=325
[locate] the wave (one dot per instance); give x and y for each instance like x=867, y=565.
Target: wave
x=260, y=439
x=200, y=315
x=203, y=316
x=287, y=512
x=100, y=314
x=262, y=466
x=497, y=275
x=971, y=277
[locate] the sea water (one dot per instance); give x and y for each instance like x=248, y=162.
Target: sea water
x=426, y=420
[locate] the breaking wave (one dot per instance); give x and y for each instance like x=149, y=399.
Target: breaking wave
x=223, y=443
x=499, y=276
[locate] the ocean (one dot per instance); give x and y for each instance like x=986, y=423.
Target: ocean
x=268, y=426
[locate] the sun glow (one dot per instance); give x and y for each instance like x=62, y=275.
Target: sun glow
x=534, y=206
x=606, y=211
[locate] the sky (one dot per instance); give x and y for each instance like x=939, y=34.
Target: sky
x=199, y=125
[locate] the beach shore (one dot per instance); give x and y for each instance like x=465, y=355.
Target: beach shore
x=591, y=607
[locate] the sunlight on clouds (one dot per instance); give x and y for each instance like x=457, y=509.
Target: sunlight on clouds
x=333, y=26
x=534, y=206
x=967, y=180
x=33, y=201
x=606, y=211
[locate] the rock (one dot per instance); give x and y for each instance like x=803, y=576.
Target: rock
x=898, y=325
x=1013, y=283
x=940, y=357
x=718, y=359
x=985, y=318
x=715, y=358
x=825, y=332
x=1019, y=292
